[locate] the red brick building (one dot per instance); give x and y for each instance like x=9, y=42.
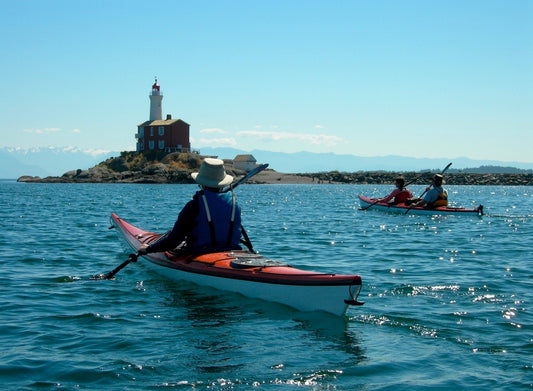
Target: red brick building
x=170, y=135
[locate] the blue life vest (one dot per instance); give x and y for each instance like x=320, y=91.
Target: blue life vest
x=218, y=224
x=442, y=199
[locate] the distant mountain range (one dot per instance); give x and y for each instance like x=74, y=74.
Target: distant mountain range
x=308, y=162
x=45, y=162
x=56, y=161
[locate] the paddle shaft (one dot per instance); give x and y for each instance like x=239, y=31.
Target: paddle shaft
x=255, y=171
x=111, y=274
x=247, y=241
x=415, y=179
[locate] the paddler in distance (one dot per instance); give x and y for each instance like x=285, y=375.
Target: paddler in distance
x=210, y=222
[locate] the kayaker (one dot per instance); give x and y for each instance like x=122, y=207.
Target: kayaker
x=399, y=194
x=211, y=221
x=436, y=196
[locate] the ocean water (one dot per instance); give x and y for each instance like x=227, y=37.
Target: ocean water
x=449, y=300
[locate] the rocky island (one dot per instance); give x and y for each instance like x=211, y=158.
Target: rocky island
x=158, y=167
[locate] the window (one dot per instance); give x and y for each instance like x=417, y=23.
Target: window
x=141, y=131
x=161, y=144
x=161, y=130
x=151, y=131
x=151, y=144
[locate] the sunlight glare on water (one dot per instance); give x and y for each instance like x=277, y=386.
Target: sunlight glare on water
x=448, y=299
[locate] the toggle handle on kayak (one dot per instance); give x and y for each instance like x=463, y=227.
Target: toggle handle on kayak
x=353, y=300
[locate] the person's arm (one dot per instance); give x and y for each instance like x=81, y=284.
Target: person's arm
x=430, y=193
x=182, y=228
x=390, y=196
x=419, y=202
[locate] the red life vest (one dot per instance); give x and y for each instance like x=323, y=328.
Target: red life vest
x=402, y=196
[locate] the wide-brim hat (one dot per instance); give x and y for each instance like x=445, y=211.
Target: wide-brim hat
x=212, y=174
x=438, y=178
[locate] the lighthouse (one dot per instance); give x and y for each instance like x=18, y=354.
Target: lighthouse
x=162, y=135
x=155, y=102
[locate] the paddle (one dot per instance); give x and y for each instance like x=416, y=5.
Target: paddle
x=133, y=257
x=111, y=274
x=429, y=187
x=370, y=206
x=405, y=185
x=255, y=171
x=246, y=240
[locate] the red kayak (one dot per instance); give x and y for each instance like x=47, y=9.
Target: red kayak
x=401, y=208
x=249, y=274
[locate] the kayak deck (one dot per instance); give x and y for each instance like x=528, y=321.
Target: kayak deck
x=249, y=274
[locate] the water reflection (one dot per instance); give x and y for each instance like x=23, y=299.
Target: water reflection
x=228, y=330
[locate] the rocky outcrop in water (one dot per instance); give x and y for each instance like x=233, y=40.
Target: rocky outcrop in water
x=134, y=167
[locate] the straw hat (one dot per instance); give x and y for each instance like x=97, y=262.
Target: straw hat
x=212, y=174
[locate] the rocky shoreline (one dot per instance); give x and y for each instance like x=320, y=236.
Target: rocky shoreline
x=132, y=167
x=418, y=178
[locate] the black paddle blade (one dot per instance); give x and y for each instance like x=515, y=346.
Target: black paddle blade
x=111, y=274
x=255, y=171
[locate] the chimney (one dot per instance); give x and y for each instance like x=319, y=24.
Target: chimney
x=169, y=116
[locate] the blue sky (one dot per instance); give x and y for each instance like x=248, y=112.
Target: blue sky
x=411, y=78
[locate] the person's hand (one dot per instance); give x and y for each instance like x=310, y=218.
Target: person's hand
x=142, y=250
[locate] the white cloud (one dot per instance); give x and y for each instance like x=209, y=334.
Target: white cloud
x=42, y=131
x=213, y=130
x=94, y=152
x=97, y=152
x=218, y=142
x=313, y=139
x=76, y=131
x=69, y=149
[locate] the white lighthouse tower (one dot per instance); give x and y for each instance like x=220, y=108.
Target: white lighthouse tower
x=155, y=102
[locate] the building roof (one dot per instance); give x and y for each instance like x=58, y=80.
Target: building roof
x=161, y=122
x=244, y=158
